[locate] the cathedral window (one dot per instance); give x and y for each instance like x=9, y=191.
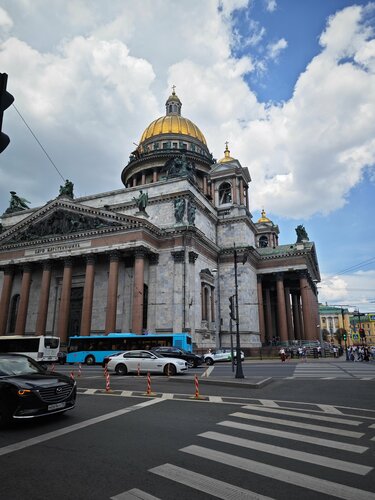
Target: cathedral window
x=174, y=145
x=156, y=145
x=263, y=241
x=225, y=193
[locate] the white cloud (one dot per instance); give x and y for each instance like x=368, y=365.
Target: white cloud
x=90, y=86
x=354, y=290
x=5, y=20
x=271, y=5
x=274, y=49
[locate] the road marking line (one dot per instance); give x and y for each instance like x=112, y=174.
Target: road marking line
x=66, y=430
x=299, y=425
x=367, y=378
x=126, y=393
x=215, y=399
x=206, y=484
x=269, y=403
x=90, y=391
x=329, y=409
x=134, y=494
x=294, y=454
x=296, y=437
x=166, y=395
x=372, y=426
x=315, y=484
x=302, y=415
x=207, y=372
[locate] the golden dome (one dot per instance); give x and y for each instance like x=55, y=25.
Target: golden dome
x=264, y=218
x=173, y=124
x=227, y=157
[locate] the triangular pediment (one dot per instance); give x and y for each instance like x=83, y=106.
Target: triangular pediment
x=63, y=218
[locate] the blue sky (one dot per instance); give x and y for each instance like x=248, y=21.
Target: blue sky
x=289, y=83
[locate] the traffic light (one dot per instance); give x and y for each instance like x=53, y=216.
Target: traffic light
x=344, y=336
x=6, y=100
x=232, y=311
x=362, y=333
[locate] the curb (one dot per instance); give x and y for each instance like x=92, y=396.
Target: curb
x=227, y=382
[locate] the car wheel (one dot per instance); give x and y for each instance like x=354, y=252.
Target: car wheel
x=121, y=369
x=90, y=360
x=170, y=369
x=190, y=363
x=209, y=361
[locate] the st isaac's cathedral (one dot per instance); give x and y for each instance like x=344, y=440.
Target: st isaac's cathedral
x=160, y=255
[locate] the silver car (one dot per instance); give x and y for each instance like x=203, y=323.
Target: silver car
x=145, y=361
x=224, y=354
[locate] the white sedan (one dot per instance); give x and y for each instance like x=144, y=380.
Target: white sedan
x=145, y=361
x=221, y=355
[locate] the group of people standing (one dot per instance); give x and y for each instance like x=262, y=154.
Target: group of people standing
x=359, y=353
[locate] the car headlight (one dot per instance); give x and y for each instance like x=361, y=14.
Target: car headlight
x=23, y=392
x=182, y=363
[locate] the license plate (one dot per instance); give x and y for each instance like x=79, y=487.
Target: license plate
x=56, y=406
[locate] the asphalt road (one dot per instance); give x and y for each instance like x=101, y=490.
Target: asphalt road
x=290, y=439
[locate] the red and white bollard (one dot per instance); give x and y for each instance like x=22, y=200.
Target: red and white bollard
x=149, y=392
x=79, y=369
x=52, y=368
x=107, y=383
x=105, y=370
x=196, y=386
x=138, y=369
x=72, y=375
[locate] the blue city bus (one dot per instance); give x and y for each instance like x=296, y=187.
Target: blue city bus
x=94, y=348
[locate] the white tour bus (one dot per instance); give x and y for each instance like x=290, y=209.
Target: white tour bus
x=39, y=347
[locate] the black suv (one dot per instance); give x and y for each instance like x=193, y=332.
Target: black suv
x=193, y=360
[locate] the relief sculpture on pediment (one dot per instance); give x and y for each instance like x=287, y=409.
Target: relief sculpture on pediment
x=61, y=223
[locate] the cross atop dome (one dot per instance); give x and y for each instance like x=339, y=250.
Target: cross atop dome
x=173, y=104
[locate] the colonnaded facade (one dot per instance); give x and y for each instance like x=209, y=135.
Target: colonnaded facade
x=158, y=255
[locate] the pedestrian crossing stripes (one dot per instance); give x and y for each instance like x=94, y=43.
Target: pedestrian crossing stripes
x=237, y=444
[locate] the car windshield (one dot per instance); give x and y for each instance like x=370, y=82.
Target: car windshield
x=18, y=365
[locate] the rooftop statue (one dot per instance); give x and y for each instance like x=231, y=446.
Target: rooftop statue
x=141, y=201
x=16, y=203
x=67, y=189
x=180, y=166
x=179, y=209
x=301, y=234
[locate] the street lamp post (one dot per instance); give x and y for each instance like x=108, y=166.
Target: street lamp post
x=239, y=372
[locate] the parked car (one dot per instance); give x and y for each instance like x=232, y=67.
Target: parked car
x=107, y=358
x=145, y=361
x=218, y=355
x=193, y=360
x=28, y=390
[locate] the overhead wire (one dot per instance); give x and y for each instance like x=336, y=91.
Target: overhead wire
x=37, y=140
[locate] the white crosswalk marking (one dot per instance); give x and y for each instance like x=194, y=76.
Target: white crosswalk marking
x=206, y=484
x=316, y=484
x=299, y=414
x=134, y=494
x=296, y=437
x=286, y=452
x=330, y=409
x=269, y=403
x=299, y=425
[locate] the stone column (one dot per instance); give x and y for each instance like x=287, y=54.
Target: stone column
x=41, y=321
x=205, y=191
x=64, y=309
x=261, y=309
x=143, y=181
x=139, y=268
x=134, y=181
x=155, y=175
x=110, y=319
x=234, y=190
x=269, y=329
x=289, y=321
x=306, y=312
x=5, y=298
x=24, y=301
x=281, y=312
x=296, y=316
x=88, y=293
x=179, y=292
x=241, y=192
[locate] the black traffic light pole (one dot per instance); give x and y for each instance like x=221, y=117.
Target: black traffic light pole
x=239, y=372
x=6, y=100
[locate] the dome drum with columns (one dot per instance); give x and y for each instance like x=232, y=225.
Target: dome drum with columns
x=158, y=255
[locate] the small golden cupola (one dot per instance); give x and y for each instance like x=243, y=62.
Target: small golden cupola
x=264, y=218
x=227, y=157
